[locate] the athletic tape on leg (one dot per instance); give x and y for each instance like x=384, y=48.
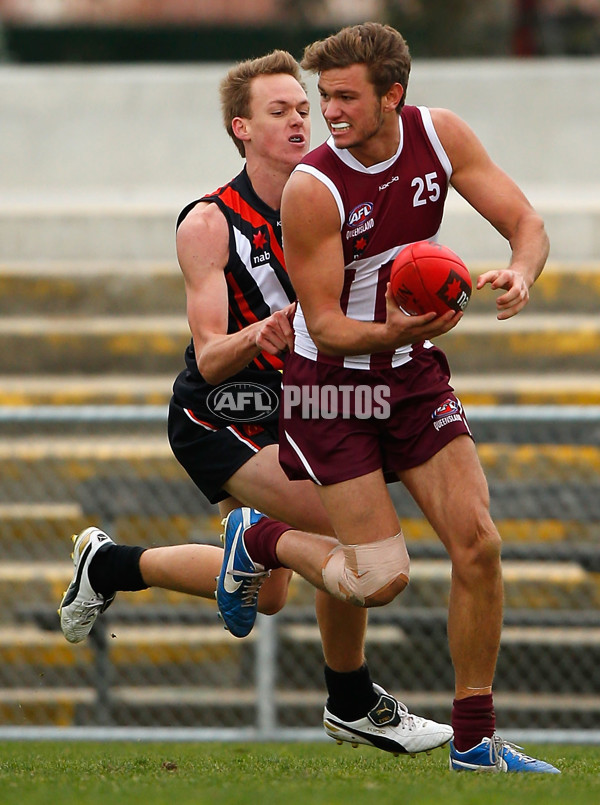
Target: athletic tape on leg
x=356, y=572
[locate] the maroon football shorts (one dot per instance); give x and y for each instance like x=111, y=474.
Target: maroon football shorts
x=336, y=424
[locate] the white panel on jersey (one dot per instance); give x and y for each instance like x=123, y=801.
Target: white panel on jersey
x=328, y=184
x=303, y=343
x=264, y=276
x=435, y=140
x=361, y=302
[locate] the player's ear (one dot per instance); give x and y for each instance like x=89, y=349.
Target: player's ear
x=392, y=97
x=239, y=126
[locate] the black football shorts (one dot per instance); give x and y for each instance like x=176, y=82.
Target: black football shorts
x=211, y=453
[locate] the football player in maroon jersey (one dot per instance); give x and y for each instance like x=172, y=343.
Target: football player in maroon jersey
x=393, y=163
x=376, y=185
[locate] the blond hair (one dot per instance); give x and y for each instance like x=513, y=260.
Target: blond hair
x=235, y=88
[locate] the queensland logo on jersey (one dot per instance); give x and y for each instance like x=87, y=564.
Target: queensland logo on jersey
x=359, y=220
x=242, y=402
x=260, y=251
x=360, y=213
x=449, y=411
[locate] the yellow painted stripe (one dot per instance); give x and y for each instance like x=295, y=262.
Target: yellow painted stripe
x=541, y=461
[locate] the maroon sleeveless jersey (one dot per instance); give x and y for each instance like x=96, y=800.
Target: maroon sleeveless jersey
x=382, y=209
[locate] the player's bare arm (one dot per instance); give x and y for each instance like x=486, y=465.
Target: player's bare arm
x=203, y=252
x=314, y=259
x=490, y=191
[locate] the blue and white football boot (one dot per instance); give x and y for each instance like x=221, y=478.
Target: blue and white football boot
x=496, y=755
x=240, y=579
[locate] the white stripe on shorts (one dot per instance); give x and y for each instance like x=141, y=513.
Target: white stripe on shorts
x=190, y=414
x=239, y=436
x=302, y=458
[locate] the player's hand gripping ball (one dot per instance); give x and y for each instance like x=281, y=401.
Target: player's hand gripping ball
x=427, y=276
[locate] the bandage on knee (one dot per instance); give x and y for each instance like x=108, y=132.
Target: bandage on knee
x=360, y=574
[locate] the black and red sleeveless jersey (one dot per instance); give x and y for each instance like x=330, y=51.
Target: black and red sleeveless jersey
x=382, y=208
x=257, y=282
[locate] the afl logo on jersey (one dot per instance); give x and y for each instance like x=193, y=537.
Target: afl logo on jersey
x=360, y=213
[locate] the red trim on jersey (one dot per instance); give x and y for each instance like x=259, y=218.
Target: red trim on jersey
x=273, y=361
x=234, y=200
x=249, y=316
x=215, y=192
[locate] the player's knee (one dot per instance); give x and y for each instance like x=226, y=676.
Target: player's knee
x=368, y=575
x=387, y=594
x=477, y=553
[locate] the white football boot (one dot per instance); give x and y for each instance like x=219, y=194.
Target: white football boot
x=389, y=726
x=81, y=605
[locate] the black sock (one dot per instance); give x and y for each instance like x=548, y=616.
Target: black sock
x=351, y=695
x=116, y=567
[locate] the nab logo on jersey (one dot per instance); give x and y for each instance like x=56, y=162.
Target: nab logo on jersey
x=260, y=250
x=360, y=213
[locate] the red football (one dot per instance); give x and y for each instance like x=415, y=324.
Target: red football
x=427, y=276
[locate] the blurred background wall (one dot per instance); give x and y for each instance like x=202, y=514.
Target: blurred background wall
x=111, y=106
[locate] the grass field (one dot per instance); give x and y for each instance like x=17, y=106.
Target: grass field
x=286, y=774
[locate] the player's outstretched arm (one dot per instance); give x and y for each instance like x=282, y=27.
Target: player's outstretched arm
x=498, y=199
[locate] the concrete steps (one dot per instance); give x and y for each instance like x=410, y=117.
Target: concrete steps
x=56, y=683
x=554, y=585
x=83, y=287
x=53, y=486
x=566, y=286
x=104, y=331
x=141, y=344
x=532, y=388
x=104, y=389
x=556, y=343
x=93, y=345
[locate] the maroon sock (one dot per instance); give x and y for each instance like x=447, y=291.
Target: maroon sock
x=261, y=541
x=473, y=718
